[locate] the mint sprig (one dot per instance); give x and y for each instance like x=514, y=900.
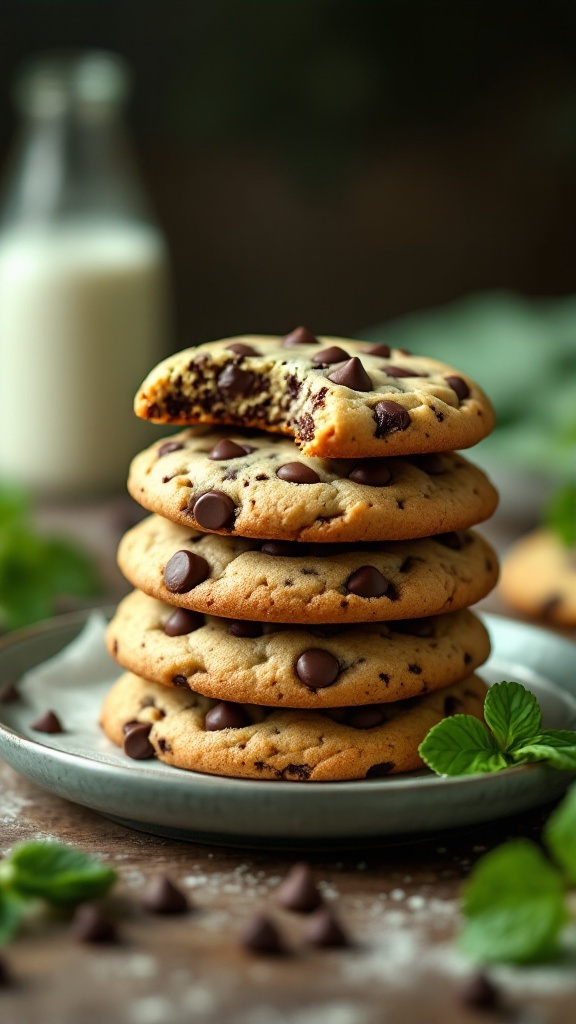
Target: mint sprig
x=512, y=735
x=560, y=515
x=59, y=874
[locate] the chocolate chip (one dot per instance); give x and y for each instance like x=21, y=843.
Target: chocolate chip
x=334, y=354
x=179, y=680
x=241, y=628
x=301, y=336
x=372, y=472
x=479, y=991
x=226, y=449
x=282, y=548
x=161, y=896
x=185, y=571
x=226, y=715
x=452, y=706
x=90, y=924
x=169, y=446
x=366, y=717
x=136, y=743
x=459, y=386
x=9, y=694
x=377, y=350
x=47, y=722
x=182, y=622
x=299, y=891
x=233, y=381
x=297, y=473
x=453, y=540
x=241, y=350
x=432, y=464
x=213, y=510
x=400, y=371
x=378, y=771
x=367, y=581
x=317, y=668
x=389, y=417
x=423, y=628
x=262, y=936
x=336, y=714
x=323, y=930
x=352, y=375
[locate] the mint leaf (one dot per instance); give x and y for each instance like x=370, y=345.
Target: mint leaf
x=58, y=873
x=512, y=713
x=514, y=905
x=461, y=745
x=12, y=910
x=560, y=834
x=557, y=747
x=560, y=515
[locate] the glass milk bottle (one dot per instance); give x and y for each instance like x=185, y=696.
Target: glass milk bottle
x=83, y=283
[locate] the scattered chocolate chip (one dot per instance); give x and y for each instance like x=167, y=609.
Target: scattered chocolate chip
x=352, y=375
x=300, y=336
x=161, y=896
x=299, y=891
x=389, y=417
x=213, y=510
x=297, y=473
x=377, y=350
x=452, y=706
x=226, y=715
x=47, y=722
x=432, y=463
x=282, y=548
x=453, y=540
x=372, y=472
x=233, y=381
x=226, y=449
x=334, y=354
x=238, y=627
x=423, y=628
x=169, y=446
x=317, y=668
x=378, y=771
x=323, y=930
x=90, y=924
x=367, y=581
x=262, y=936
x=400, y=371
x=459, y=386
x=185, y=571
x=136, y=743
x=479, y=991
x=241, y=350
x=182, y=622
x=367, y=717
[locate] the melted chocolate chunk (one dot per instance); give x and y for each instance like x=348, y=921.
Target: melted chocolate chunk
x=241, y=350
x=213, y=510
x=389, y=417
x=352, y=375
x=367, y=717
x=317, y=668
x=300, y=336
x=305, y=427
x=234, y=382
x=459, y=386
x=299, y=891
x=169, y=446
x=297, y=473
x=185, y=571
x=372, y=472
x=226, y=715
x=136, y=743
x=422, y=628
x=452, y=706
x=241, y=628
x=333, y=354
x=367, y=581
x=378, y=771
x=47, y=722
x=282, y=548
x=227, y=449
x=182, y=622
x=378, y=350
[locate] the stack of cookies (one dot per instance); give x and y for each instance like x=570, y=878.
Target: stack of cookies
x=303, y=586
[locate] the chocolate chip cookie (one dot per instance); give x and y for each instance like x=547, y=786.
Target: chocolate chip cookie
x=539, y=578
x=283, y=581
x=193, y=732
x=258, y=485
x=338, y=398
x=294, y=666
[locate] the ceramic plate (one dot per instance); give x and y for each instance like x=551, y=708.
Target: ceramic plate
x=82, y=766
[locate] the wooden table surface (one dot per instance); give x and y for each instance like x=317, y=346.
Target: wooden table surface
x=398, y=903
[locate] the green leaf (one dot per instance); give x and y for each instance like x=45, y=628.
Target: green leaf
x=461, y=745
x=512, y=713
x=560, y=834
x=58, y=873
x=557, y=747
x=560, y=515
x=514, y=903
x=12, y=910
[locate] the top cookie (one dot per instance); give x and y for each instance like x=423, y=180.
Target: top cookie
x=338, y=398
x=254, y=485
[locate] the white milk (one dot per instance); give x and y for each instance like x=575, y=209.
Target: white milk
x=82, y=321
